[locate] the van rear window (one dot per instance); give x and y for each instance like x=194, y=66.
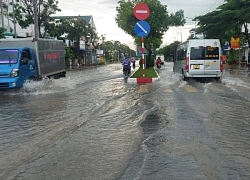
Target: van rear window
x=204, y=53
x=197, y=53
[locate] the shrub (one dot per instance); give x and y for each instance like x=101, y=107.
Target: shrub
x=102, y=63
x=68, y=53
x=149, y=62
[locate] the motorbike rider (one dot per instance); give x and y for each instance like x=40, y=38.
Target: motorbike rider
x=158, y=61
x=126, y=64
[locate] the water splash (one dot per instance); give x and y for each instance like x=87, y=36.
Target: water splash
x=230, y=81
x=206, y=87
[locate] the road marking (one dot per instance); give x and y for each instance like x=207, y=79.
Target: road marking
x=168, y=90
x=138, y=24
x=143, y=89
x=189, y=88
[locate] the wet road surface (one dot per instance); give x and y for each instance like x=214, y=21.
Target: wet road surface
x=92, y=125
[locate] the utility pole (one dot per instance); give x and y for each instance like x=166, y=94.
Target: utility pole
x=180, y=34
x=1, y=4
x=14, y=18
x=118, y=52
x=36, y=30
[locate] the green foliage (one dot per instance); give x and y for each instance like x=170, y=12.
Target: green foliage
x=232, y=57
x=226, y=21
x=2, y=30
x=149, y=62
x=110, y=46
x=75, y=28
x=68, y=53
x=160, y=21
x=149, y=73
x=24, y=13
x=169, y=50
x=101, y=63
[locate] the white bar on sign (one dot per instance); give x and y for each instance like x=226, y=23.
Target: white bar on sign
x=141, y=28
x=142, y=11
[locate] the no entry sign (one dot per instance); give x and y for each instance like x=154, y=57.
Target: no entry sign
x=141, y=11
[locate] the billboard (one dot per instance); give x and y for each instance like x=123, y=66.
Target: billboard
x=99, y=51
x=235, y=42
x=139, y=53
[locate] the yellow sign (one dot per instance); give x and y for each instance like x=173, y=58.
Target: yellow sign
x=235, y=42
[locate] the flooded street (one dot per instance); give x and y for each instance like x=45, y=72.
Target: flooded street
x=92, y=125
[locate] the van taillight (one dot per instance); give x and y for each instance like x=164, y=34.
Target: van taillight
x=187, y=63
x=221, y=64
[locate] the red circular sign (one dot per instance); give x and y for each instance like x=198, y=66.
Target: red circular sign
x=141, y=11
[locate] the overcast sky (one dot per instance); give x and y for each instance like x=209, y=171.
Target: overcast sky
x=104, y=13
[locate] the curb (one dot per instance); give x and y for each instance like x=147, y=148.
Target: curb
x=143, y=80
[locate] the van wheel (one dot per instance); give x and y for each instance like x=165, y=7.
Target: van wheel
x=184, y=78
x=218, y=79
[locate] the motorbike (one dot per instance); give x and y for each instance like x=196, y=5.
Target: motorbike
x=158, y=65
x=126, y=70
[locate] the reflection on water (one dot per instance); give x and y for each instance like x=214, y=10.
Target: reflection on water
x=41, y=113
x=91, y=125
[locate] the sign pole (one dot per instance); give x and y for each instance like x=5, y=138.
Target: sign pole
x=142, y=28
x=143, y=60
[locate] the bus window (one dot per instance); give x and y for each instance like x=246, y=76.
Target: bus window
x=212, y=52
x=197, y=53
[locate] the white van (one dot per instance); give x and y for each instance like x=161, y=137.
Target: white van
x=199, y=58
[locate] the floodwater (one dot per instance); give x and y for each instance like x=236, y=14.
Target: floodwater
x=93, y=125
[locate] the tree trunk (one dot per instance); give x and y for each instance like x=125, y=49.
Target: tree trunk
x=149, y=61
x=78, y=50
x=246, y=34
x=39, y=20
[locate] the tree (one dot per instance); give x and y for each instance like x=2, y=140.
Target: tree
x=226, y=21
x=169, y=51
x=160, y=21
x=75, y=29
x=110, y=46
x=25, y=14
x=2, y=30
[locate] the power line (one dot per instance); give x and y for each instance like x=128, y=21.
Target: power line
x=215, y=5
x=84, y=6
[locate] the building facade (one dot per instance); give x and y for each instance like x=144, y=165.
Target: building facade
x=7, y=21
